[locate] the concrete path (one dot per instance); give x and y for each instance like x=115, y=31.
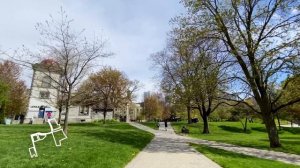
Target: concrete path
x=167, y=150
x=260, y=153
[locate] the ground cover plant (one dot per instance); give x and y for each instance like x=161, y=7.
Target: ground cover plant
x=98, y=145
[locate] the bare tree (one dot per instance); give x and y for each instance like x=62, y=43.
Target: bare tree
x=71, y=53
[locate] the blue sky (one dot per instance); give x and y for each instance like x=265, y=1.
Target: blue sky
x=134, y=28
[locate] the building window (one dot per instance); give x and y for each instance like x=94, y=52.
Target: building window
x=83, y=110
x=46, y=82
x=44, y=94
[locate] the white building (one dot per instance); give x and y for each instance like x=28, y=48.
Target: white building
x=44, y=95
x=43, y=91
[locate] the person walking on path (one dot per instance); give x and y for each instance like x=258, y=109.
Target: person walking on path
x=166, y=124
x=168, y=150
x=157, y=125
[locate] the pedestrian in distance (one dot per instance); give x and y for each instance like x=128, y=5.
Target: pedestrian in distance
x=157, y=124
x=166, y=124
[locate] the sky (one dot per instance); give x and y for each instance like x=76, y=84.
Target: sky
x=134, y=29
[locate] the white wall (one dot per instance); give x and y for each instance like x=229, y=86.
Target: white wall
x=35, y=101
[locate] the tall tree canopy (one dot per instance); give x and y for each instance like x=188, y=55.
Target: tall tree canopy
x=153, y=108
x=107, y=89
x=193, y=72
x=262, y=37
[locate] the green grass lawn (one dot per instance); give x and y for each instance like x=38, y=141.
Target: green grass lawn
x=228, y=159
x=150, y=124
x=232, y=133
x=111, y=145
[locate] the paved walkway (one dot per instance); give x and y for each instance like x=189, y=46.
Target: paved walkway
x=167, y=150
x=266, y=154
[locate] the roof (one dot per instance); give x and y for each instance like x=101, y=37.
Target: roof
x=47, y=65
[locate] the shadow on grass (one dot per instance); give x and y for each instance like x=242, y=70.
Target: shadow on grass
x=283, y=129
x=84, y=124
x=133, y=138
x=291, y=130
x=290, y=138
x=234, y=129
x=108, y=125
x=289, y=142
x=205, y=149
x=259, y=129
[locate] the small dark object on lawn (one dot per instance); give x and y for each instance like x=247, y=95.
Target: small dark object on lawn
x=195, y=120
x=184, y=130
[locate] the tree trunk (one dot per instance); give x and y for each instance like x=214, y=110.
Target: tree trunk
x=269, y=122
x=67, y=110
x=2, y=112
x=205, y=123
x=245, y=127
x=113, y=113
x=278, y=120
x=189, y=114
x=104, y=116
x=59, y=114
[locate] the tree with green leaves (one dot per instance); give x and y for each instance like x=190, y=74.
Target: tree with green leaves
x=153, y=108
x=193, y=72
x=3, y=99
x=174, y=82
x=291, y=113
x=13, y=93
x=262, y=37
x=107, y=89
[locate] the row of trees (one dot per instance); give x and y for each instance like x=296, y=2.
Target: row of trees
x=223, y=52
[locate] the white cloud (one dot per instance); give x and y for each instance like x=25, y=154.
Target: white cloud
x=295, y=11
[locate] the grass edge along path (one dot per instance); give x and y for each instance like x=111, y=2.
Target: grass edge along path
x=90, y=145
x=228, y=159
x=150, y=124
x=232, y=133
